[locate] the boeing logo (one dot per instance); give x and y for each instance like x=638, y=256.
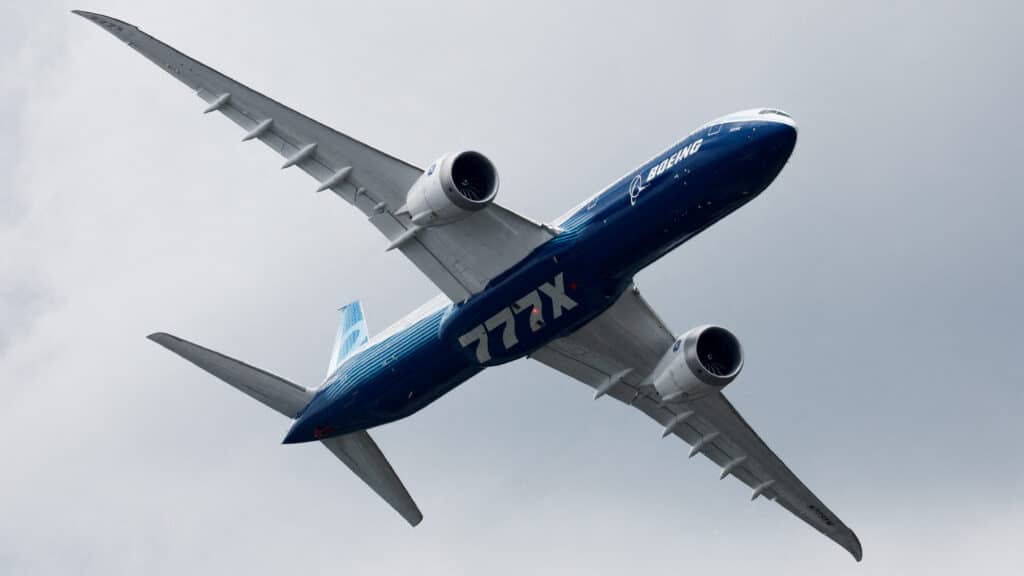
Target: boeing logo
x=635, y=188
x=637, y=185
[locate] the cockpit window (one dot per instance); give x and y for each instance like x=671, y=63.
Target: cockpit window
x=774, y=111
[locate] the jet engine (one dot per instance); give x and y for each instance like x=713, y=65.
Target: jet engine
x=452, y=188
x=702, y=361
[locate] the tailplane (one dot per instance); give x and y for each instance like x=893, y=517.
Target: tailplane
x=286, y=397
x=360, y=453
x=357, y=450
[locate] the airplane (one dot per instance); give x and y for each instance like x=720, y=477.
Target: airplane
x=560, y=293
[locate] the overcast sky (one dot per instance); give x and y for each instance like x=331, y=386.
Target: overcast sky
x=876, y=287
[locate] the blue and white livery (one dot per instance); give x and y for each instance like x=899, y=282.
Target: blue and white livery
x=559, y=293
x=352, y=335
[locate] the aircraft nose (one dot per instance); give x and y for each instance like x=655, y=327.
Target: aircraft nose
x=766, y=148
x=778, y=137
x=774, y=116
x=775, y=141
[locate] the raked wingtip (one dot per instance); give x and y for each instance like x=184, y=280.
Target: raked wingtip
x=116, y=27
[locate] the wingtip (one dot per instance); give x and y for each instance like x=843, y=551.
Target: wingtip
x=160, y=337
x=116, y=27
x=95, y=17
x=854, y=547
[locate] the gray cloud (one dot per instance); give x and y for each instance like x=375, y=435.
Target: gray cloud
x=19, y=305
x=31, y=56
x=875, y=287
x=27, y=73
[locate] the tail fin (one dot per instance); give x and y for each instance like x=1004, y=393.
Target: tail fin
x=276, y=392
x=352, y=333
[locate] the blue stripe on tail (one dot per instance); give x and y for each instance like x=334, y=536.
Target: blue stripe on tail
x=352, y=333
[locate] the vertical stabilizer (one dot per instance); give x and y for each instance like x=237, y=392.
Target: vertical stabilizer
x=352, y=333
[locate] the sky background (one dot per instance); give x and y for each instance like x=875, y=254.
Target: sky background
x=876, y=287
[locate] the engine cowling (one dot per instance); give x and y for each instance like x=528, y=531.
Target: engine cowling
x=702, y=361
x=453, y=187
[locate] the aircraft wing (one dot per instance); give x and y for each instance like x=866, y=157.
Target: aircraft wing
x=460, y=258
x=630, y=336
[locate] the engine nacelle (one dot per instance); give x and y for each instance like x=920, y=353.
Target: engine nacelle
x=702, y=361
x=454, y=187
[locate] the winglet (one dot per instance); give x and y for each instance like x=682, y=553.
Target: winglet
x=119, y=28
x=855, y=548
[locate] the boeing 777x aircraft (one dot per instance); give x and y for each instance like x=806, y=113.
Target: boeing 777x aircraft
x=559, y=293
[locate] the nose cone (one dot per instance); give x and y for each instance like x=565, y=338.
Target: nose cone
x=777, y=140
x=772, y=143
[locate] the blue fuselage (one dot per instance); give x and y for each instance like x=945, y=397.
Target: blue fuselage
x=561, y=285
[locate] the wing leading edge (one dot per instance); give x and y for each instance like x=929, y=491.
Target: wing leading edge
x=618, y=350
x=460, y=257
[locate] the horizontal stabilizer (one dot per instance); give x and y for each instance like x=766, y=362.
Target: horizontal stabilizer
x=360, y=453
x=278, y=393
